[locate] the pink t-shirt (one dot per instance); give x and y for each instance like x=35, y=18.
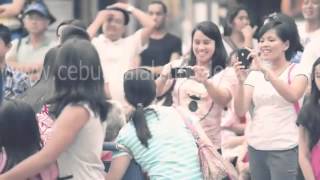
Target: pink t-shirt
x=186, y=90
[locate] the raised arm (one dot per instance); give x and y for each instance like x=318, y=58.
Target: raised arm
x=101, y=18
x=290, y=92
x=219, y=94
x=143, y=18
x=11, y=9
x=243, y=95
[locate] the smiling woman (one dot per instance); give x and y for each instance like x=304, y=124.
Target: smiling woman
x=206, y=93
x=274, y=92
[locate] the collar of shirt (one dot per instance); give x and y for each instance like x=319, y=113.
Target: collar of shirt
x=107, y=40
x=44, y=42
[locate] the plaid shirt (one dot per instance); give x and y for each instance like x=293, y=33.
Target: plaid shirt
x=14, y=82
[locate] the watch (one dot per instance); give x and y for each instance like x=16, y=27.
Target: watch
x=130, y=8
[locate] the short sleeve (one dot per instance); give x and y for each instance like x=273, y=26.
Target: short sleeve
x=136, y=43
x=251, y=79
x=223, y=80
x=299, y=70
x=177, y=46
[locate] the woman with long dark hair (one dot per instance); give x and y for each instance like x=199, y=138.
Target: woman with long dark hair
x=79, y=107
x=309, y=127
x=19, y=133
x=155, y=136
x=204, y=92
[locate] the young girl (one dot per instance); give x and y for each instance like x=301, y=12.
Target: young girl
x=309, y=131
x=19, y=134
x=79, y=108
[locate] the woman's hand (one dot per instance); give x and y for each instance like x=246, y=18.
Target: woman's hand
x=166, y=71
x=201, y=74
x=249, y=31
x=257, y=63
x=241, y=72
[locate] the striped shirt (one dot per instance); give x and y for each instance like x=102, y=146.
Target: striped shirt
x=172, y=152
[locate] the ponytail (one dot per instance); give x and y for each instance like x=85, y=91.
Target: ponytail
x=140, y=125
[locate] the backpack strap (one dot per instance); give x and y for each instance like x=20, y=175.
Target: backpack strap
x=3, y=159
x=296, y=105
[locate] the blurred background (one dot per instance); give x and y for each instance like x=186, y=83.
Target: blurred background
x=183, y=14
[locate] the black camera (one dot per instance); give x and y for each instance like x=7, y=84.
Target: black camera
x=243, y=57
x=182, y=72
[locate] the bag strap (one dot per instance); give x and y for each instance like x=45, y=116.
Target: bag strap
x=3, y=159
x=188, y=123
x=296, y=104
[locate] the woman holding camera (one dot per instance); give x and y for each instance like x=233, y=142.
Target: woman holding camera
x=273, y=90
x=203, y=92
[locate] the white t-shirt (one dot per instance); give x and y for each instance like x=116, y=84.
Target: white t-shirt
x=311, y=54
x=307, y=37
x=116, y=58
x=273, y=125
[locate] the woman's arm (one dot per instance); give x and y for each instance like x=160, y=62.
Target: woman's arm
x=304, y=154
x=219, y=95
x=119, y=166
x=11, y=9
x=101, y=18
x=290, y=92
x=64, y=131
x=243, y=95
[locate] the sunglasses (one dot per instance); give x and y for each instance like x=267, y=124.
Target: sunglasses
x=273, y=17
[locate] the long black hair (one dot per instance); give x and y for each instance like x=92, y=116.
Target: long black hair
x=309, y=116
x=286, y=29
x=218, y=60
x=78, y=78
x=19, y=132
x=140, y=92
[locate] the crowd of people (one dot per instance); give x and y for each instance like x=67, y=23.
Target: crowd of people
x=251, y=91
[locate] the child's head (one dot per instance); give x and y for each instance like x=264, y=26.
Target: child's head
x=18, y=125
x=19, y=131
x=5, y=40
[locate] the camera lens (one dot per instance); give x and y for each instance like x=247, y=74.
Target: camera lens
x=193, y=106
